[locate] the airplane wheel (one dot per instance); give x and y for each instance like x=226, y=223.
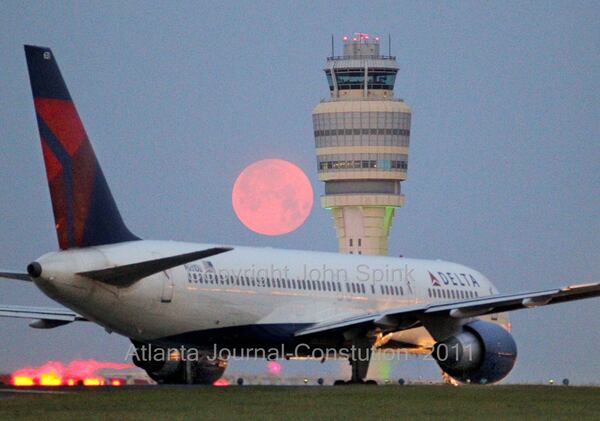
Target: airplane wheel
x=339, y=383
x=371, y=382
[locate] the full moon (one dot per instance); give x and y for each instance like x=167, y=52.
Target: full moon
x=272, y=197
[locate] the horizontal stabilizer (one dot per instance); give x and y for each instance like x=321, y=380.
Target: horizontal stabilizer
x=46, y=318
x=15, y=275
x=126, y=275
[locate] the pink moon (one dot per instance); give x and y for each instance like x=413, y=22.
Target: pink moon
x=272, y=197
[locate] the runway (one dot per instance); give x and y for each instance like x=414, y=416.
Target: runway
x=302, y=402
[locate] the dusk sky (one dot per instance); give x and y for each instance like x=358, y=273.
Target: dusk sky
x=177, y=98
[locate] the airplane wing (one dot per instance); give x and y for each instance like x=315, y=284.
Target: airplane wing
x=46, y=318
x=392, y=320
x=15, y=275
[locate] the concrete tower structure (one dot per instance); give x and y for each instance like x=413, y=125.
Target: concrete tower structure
x=361, y=137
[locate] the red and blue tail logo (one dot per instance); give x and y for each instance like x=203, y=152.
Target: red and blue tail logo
x=434, y=280
x=85, y=212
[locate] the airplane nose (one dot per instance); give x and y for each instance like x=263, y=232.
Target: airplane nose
x=34, y=269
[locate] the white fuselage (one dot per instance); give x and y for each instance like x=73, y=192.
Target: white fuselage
x=249, y=286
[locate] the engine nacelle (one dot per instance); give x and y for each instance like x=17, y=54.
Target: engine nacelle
x=168, y=366
x=482, y=353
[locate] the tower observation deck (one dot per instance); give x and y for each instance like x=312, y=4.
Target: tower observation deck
x=361, y=138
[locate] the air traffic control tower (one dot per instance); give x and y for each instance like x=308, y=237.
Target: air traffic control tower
x=361, y=137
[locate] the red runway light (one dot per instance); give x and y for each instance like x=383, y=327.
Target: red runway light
x=274, y=367
x=221, y=382
x=93, y=382
x=22, y=381
x=55, y=373
x=50, y=379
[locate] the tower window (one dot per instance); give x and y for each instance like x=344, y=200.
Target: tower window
x=347, y=79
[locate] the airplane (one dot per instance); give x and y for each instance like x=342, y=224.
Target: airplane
x=178, y=297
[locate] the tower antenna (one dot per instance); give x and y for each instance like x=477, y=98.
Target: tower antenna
x=332, y=49
x=389, y=45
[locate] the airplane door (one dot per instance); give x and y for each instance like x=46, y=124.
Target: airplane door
x=167, y=287
x=166, y=281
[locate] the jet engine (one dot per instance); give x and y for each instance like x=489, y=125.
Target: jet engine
x=482, y=353
x=168, y=366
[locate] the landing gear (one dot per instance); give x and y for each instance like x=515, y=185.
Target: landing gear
x=448, y=380
x=350, y=382
x=359, y=360
x=168, y=366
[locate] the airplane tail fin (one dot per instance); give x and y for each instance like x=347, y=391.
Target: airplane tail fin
x=85, y=212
